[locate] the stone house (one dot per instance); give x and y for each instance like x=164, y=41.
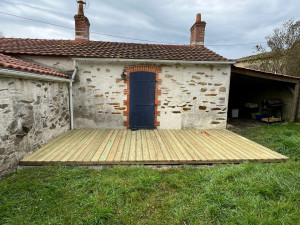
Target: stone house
x=50, y=86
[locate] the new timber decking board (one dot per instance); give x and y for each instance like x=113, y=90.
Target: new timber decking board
x=98, y=147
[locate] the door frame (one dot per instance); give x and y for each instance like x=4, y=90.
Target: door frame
x=153, y=69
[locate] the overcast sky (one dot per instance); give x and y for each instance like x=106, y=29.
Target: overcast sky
x=228, y=22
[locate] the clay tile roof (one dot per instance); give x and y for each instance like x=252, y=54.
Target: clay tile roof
x=101, y=49
x=19, y=64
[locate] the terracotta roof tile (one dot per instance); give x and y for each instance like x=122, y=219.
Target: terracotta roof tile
x=19, y=64
x=101, y=49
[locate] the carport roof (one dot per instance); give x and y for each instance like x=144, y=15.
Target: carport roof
x=264, y=75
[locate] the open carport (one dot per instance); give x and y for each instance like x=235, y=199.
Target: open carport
x=253, y=86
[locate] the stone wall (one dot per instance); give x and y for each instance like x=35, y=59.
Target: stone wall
x=98, y=95
x=32, y=113
x=192, y=96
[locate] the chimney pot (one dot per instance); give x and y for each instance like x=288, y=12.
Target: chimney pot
x=198, y=18
x=82, y=24
x=80, y=8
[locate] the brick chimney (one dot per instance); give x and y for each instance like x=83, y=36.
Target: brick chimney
x=198, y=31
x=82, y=24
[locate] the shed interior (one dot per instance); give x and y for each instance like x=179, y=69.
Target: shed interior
x=250, y=89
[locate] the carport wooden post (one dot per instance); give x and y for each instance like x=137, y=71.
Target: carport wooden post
x=295, y=102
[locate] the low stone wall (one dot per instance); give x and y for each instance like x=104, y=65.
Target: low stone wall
x=32, y=113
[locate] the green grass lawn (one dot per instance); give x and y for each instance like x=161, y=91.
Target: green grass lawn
x=248, y=193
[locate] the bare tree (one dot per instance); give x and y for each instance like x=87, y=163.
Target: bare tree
x=283, y=52
x=1, y=35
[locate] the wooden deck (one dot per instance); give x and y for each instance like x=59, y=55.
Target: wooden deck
x=150, y=147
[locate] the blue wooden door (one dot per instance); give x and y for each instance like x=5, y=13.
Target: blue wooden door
x=142, y=99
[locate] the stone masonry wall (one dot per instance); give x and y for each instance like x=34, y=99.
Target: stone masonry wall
x=98, y=94
x=32, y=113
x=192, y=96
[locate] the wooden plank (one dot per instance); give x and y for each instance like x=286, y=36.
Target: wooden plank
x=231, y=152
x=58, y=145
x=188, y=146
x=157, y=148
x=223, y=153
x=57, y=141
x=119, y=152
x=239, y=146
x=241, y=153
x=261, y=151
x=145, y=148
x=174, y=151
x=65, y=150
x=254, y=144
x=96, y=146
x=180, y=149
x=200, y=149
x=125, y=154
x=151, y=147
x=70, y=142
x=212, y=151
x=79, y=145
x=242, y=146
x=115, y=147
x=89, y=148
x=108, y=147
x=226, y=141
x=132, y=148
x=139, y=153
x=83, y=148
x=101, y=148
x=169, y=154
